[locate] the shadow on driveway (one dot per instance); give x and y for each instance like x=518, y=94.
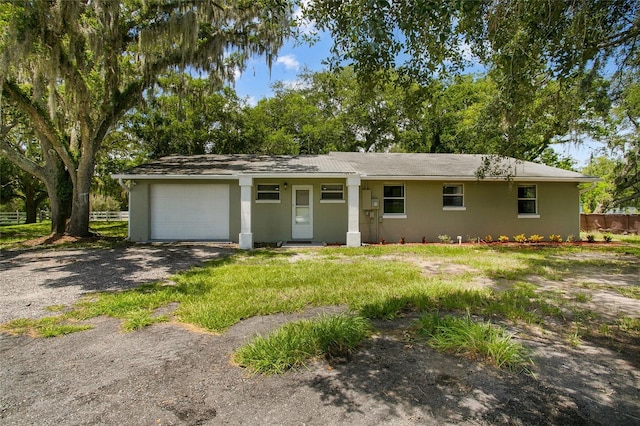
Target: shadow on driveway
x=33, y=280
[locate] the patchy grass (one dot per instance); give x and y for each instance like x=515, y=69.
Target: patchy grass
x=475, y=340
x=296, y=343
x=44, y=327
x=19, y=236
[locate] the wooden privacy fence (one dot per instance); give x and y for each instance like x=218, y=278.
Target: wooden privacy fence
x=9, y=218
x=614, y=223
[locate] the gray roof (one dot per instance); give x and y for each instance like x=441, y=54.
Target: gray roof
x=367, y=165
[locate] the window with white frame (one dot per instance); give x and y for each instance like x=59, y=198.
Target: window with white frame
x=527, y=200
x=268, y=193
x=393, y=200
x=453, y=196
x=332, y=192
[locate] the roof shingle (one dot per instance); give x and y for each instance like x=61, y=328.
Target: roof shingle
x=372, y=165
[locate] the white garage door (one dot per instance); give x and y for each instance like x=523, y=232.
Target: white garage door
x=189, y=212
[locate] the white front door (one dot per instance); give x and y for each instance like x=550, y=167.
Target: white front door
x=302, y=212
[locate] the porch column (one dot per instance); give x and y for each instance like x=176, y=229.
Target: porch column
x=246, y=236
x=353, y=194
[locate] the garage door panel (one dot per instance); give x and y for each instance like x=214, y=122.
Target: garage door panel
x=189, y=212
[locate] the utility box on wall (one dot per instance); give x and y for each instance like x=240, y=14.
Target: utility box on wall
x=365, y=198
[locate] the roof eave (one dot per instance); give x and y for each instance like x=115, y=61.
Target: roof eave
x=458, y=178
x=449, y=178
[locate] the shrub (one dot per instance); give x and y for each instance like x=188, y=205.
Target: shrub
x=571, y=238
x=424, y=240
x=103, y=203
x=535, y=238
x=520, y=238
x=503, y=239
x=401, y=240
x=608, y=238
x=591, y=238
x=445, y=239
x=556, y=238
x=488, y=239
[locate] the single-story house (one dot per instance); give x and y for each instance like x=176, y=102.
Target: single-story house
x=347, y=198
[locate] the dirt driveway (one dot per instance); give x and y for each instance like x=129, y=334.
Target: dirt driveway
x=167, y=374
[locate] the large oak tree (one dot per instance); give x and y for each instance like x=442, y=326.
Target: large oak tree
x=72, y=68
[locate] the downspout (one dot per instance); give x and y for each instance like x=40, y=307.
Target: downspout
x=122, y=184
x=589, y=188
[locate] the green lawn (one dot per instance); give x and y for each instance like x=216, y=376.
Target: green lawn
x=14, y=236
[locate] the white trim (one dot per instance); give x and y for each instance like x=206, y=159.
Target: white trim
x=394, y=216
x=179, y=177
x=245, y=238
x=528, y=216
x=266, y=191
x=535, y=200
x=306, y=231
x=404, y=200
x=332, y=201
x=353, y=176
x=454, y=208
x=354, y=238
x=475, y=179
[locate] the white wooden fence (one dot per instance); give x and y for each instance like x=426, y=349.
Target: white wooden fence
x=8, y=218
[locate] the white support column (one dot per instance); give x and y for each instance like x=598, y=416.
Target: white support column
x=353, y=194
x=246, y=236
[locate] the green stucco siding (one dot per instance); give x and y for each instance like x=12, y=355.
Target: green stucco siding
x=272, y=220
x=490, y=208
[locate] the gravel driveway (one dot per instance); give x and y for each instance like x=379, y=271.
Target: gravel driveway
x=172, y=374
x=32, y=280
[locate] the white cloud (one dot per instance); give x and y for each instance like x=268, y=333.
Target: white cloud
x=289, y=61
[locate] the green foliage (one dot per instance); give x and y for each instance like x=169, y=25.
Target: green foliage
x=73, y=68
x=296, y=343
x=474, y=340
x=103, y=203
x=445, y=239
x=599, y=199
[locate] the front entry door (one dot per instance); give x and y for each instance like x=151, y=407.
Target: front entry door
x=302, y=212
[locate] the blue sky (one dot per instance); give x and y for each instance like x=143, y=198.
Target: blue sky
x=256, y=80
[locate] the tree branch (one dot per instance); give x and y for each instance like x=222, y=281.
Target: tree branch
x=20, y=160
x=38, y=117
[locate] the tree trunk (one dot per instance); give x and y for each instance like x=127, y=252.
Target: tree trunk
x=57, y=201
x=30, y=206
x=33, y=196
x=79, y=223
